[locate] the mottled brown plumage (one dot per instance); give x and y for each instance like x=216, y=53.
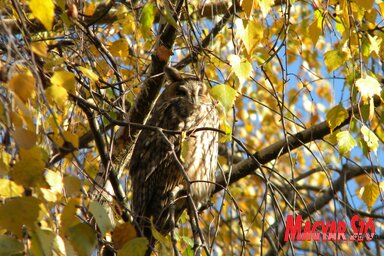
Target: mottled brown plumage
x=184, y=105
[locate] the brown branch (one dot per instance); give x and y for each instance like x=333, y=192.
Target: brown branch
x=248, y=166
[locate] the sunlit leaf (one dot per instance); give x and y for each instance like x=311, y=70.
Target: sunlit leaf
x=9, y=188
x=57, y=95
x=90, y=74
x=147, y=18
x=265, y=6
x=167, y=14
x=251, y=38
x=315, y=29
x=366, y=4
x=247, y=6
x=44, y=11
x=368, y=87
x=18, y=212
x=370, y=138
x=225, y=94
x=64, y=79
x=334, y=59
x=369, y=194
x=24, y=86
x=137, y=246
x=335, y=116
x=345, y=141
x=83, y=239
x=40, y=48
x=101, y=217
x=242, y=69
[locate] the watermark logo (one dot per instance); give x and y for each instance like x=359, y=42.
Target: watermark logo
x=328, y=230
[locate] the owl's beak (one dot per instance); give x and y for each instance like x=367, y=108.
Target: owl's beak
x=195, y=99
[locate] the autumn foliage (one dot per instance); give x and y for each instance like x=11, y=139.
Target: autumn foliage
x=298, y=85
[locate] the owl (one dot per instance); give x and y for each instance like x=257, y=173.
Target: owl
x=156, y=177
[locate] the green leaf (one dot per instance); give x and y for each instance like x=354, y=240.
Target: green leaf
x=335, y=59
x=83, y=239
x=225, y=95
x=10, y=246
x=147, y=18
x=44, y=11
x=136, y=247
x=242, y=68
x=335, y=116
x=370, y=138
x=101, y=217
x=345, y=141
x=169, y=18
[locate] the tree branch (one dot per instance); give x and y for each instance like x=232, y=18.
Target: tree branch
x=248, y=166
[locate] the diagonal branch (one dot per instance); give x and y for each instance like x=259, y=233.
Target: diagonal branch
x=248, y=166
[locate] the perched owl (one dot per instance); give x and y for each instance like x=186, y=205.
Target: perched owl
x=156, y=178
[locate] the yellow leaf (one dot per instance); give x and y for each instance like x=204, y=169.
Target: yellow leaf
x=90, y=74
x=366, y=4
x=71, y=138
x=39, y=48
x=345, y=141
x=252, y=35
x=72, y=186
x=9, y=188
x=119, y=48
x=122, y=234
x=68, y=217
x=370, y=138
x=335, y=116
x=265, y=6
x=44, y=11
x=55, y=181
x=369, y=194
x=314, y=31
x=64, y=79
x=242, y=69
x=24, y=138
x=57, y=95
x=368, y=87
x=247, y=6
x=23, y=85
x=17, y=212
x=29, y=173
x=83, y=239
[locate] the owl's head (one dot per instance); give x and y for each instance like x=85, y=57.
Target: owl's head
x=189, y=89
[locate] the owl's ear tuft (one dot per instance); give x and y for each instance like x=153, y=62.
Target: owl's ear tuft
x=172, y=74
